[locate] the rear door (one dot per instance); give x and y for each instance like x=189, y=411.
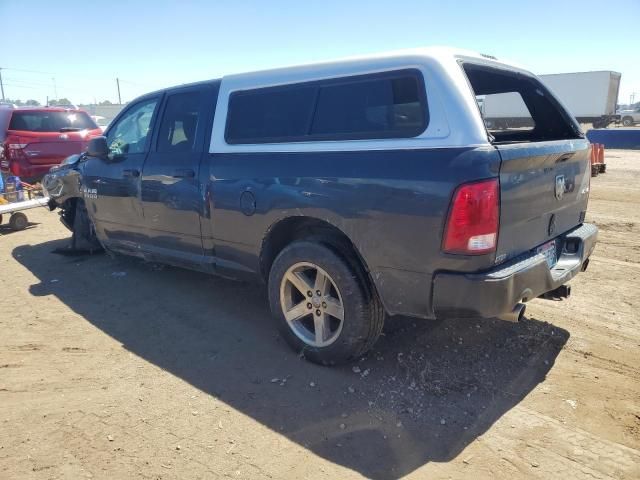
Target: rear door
x=545, y=168
x=171, y=189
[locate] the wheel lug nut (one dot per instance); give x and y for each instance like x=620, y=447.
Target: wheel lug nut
x=309, y=306
x=318, y=312
x=309, y=294
x=324, y=304
x=318, y=292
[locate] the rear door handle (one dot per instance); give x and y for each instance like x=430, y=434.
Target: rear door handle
x=184, y=173
x=131, y=173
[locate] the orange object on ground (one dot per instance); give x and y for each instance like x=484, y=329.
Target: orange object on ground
x=601, y=153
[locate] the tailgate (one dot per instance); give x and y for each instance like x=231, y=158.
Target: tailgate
x=544, y=189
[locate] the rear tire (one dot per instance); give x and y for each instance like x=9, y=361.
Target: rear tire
x=322, y=337
x=627, y=121
x=18, y=221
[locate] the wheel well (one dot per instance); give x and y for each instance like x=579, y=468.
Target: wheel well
x=297, y=228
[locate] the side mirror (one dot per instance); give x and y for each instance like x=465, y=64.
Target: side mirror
x=98, y=148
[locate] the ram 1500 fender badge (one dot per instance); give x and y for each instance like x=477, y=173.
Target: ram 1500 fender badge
x=560, y=186
x=90, y=193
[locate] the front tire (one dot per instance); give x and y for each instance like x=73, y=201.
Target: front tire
x=627, y=121
x=323, y=305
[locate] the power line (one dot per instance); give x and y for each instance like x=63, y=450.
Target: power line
x=27, y=71
x=18, y=86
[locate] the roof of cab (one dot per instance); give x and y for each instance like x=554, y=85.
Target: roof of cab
x=178, y=87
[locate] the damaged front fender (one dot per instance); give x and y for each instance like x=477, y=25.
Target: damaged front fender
x=63, y=183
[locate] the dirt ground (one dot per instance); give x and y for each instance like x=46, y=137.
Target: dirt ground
x=116, y=369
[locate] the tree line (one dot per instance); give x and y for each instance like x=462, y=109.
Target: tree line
x=52, y=102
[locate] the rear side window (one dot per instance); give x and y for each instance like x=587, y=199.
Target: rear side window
x=179, y=123
x=389, y=105
x=51, y=121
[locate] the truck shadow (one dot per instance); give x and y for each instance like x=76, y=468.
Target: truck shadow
x=426, y=391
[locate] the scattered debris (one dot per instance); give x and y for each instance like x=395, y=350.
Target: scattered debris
x=572, y=403
x=356, y=369
x=110, y=438
x=119, y=274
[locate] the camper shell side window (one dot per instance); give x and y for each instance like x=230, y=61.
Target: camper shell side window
x=373, y=106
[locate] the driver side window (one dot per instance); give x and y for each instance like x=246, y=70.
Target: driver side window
x=129, y=134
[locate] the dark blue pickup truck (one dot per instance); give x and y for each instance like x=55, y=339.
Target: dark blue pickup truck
x=354, y=189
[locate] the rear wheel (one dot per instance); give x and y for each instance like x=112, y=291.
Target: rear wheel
x=322, y=305
x=18, y=221
x=627, y=121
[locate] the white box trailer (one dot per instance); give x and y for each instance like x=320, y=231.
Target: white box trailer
x=591, y=97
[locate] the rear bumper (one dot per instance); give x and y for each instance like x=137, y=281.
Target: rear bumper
x=496, y=292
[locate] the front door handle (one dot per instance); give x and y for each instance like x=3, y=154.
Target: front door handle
x=131, y=173
x=184, y=173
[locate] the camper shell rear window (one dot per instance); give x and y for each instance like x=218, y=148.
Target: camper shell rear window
x=517, y=107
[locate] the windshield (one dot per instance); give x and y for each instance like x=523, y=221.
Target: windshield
x=51, y=121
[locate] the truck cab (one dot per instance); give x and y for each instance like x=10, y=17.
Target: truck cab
x=356, y=190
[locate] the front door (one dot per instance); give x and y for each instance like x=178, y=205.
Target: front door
x=171, y=198
x=111, y=188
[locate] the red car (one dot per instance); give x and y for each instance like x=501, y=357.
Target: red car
x=32, y=140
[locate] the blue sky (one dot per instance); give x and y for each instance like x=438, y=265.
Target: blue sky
x=83, y=46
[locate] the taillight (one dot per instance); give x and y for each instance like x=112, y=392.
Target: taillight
x=472, y=225
x=15, y=154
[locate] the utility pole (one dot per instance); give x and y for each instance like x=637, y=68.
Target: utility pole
x=1, y=84
x=119, y=98
x=55, y=87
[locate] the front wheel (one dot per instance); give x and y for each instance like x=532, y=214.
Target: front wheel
x=323, y=305
x=627, y=121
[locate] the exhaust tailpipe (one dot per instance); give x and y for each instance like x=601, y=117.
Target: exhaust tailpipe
x=515, y=315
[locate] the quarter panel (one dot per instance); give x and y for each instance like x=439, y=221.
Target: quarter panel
x=391, y=204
